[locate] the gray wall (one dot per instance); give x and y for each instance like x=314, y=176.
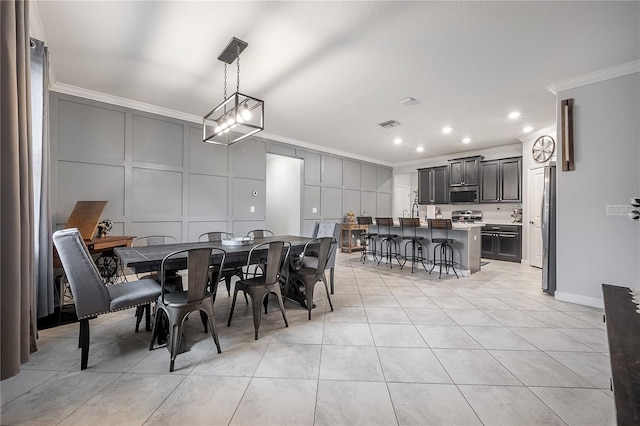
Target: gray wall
x=594, y=248
x=160, y=178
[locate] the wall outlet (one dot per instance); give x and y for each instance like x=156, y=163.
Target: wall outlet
x=253, y=209
x=314, y=210
x=618, y=209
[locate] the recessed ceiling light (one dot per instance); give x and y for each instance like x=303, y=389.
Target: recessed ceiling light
x=466, y=140
x=446, y=129
x=515, y=114
x=419, y=149
x=527, y=129
x=397, y=141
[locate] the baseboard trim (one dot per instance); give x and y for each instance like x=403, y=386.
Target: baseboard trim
x=580, y=300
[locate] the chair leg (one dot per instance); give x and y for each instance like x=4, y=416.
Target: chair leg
x=233, y=305
x=139, y=315
x=279, y=297
x=147, y=317
x=84, y=342
x=331, y=277
x=174, y=339
x=205, y=323
x=257, y=313
x=324, y=280
x=212, y=329
x=309, y=286
x=154, y=334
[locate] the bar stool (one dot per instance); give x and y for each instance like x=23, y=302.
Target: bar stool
x=387, y=238
x=444, y=245
x=409, y=228
x=368, y=243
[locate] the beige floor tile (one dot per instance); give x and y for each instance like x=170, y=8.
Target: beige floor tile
x=547, y=339
x=579, y=406
x=290, y=361
x=446, y=405
x=278, y=402
x=353, y=403
x=387, y=316
x=350, y=363
x=412, y=365
x=476, y=367
x=498, y=338
x=447, y=336
x=349, y=334
x=592, y=366
x=397, y=335
x=507, y=405
x=471, y=317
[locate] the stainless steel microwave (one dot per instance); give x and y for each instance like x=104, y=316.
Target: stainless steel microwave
x=464, y=194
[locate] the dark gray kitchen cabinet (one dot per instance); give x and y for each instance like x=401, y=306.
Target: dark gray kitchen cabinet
x=433, y=185
x=464, y=171
x=501, y=180
x=502, y=242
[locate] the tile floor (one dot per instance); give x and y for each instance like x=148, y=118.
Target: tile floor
x=400, y=348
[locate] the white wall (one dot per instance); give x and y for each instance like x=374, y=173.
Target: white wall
x=284, y=175
x=593, y=248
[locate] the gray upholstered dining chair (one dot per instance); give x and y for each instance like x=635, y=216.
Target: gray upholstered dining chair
x=310, y=276
x=258, y=288
x=177, y=305
x=90, y=294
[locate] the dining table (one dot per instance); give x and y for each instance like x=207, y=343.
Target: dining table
x=142, y=259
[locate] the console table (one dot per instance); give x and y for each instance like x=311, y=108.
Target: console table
x=347, y=243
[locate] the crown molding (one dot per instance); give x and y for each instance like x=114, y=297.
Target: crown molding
x=594, y=77
x=497, y=151
x=123, y=102
x=322, y=149
x=549, y=130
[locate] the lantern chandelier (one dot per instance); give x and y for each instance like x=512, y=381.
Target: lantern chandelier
x=239, y=115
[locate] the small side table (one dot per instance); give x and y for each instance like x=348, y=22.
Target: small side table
x=347, y=243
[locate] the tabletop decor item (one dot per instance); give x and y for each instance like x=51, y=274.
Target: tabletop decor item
x=351, y=217
x=104, y=227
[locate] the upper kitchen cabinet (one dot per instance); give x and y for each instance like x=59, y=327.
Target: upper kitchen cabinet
x=501, y=180
x=433, y=185
x=464, y=171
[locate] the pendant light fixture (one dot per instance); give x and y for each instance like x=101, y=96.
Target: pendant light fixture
x=239, y=115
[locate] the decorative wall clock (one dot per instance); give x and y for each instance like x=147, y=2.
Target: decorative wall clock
x=543, y=148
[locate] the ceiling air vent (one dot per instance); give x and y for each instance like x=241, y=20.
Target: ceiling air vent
x=389, y=124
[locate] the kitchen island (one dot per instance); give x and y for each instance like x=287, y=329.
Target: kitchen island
x=466, y=249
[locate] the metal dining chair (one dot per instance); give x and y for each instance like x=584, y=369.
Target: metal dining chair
x=258, y=288
x=177, y=305
x=230, y=270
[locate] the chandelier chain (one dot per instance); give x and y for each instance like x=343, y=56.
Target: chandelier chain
x=225, y=81
x=238, y=76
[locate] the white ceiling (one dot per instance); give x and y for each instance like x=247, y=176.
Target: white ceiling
x=330, y=71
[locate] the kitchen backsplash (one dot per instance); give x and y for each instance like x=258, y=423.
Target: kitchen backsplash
x=490, y=211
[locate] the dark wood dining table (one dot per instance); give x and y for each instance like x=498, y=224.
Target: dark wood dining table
x=149, y=258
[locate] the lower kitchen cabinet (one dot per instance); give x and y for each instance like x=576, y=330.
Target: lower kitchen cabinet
x=502, y=242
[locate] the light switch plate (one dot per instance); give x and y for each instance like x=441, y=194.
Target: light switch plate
x=253, y=209
x=314, y=210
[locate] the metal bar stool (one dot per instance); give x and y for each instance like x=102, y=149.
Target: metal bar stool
x=387, y=239
x=409, y=228
x=369, y=243
x=443, y=245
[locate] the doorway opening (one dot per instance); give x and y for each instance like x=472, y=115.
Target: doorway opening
x=283, y=195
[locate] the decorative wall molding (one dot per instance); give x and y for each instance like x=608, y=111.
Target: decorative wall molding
x=594, y=77
x=166, y=112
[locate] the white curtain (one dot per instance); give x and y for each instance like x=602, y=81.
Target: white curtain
x=45, y=287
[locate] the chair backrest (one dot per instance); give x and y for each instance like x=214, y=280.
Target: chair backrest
x=154, y=240
x=384, y=222
x=199, y=262
x=90, y=294
x=215, y=237
x=328, y=229
x=365, y=220
x=260, y=233
x=277, y=255
x=440, y=224
x=409, y=225
x=327, y=246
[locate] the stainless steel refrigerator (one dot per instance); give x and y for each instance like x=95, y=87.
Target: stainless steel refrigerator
x=549, y=229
